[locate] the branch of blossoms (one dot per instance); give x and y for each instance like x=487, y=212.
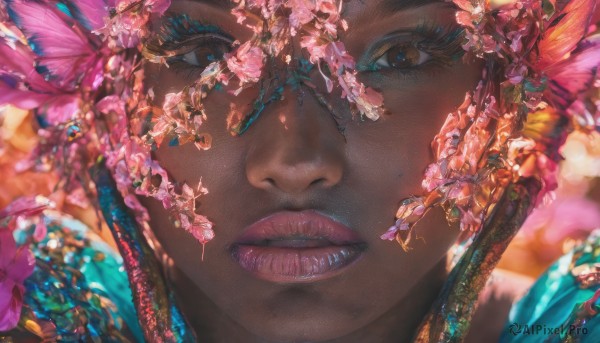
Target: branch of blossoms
x=488, y=142
x=83, y=110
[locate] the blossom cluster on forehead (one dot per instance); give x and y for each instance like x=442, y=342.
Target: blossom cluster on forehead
x=273, y=23
x=317, y=22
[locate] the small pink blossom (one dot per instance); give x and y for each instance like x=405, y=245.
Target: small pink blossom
x=337, y=57
x=246, y=63
x=302, y=12
x=368, y=101
x=516, y=73
x=434, y=177
x=391, y=233
x=128, y=26
x=469, y=221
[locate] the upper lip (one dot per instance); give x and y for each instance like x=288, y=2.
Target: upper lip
x=298, y=225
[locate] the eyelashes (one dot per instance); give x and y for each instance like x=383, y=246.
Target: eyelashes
x=189, y=46
x=410, y=52
x=195, y=55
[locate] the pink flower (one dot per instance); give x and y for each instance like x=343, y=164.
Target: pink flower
x=337, y=57
x=368, y=101
x=391, y=233
x=472, y=12
x=246, y=63
x=128, y=26
x=516, y=73
x=302, y=12
x=16, y=264
x=434, y=176
x=470, y=221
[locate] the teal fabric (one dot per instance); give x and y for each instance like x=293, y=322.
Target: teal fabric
x=109, y=276
x=544, y=314
x=71, y=251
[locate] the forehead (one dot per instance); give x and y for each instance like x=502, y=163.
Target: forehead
x=379, y=5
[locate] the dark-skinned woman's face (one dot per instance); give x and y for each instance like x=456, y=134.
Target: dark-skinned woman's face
x=298, y=157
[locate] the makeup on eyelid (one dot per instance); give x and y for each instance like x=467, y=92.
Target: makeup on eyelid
x=188, y=46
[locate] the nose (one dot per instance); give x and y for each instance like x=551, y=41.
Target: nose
x=295, y=147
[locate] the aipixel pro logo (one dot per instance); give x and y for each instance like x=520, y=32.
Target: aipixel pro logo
x=542, y=329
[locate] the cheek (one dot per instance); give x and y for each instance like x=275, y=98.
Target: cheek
x=395, y=150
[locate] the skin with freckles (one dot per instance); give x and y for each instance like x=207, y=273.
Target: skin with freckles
x=294, y=157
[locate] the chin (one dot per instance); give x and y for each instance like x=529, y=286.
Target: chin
x=304, y=323
x=306, y=330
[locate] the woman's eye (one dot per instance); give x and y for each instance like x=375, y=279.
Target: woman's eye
x=402, y=56
x=201, y=52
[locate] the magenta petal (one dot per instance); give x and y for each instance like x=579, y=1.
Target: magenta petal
x=8, y=249
x=24, y=206
x=6, y=291
x=11, y=302
x=15, y=266
x=22, y=266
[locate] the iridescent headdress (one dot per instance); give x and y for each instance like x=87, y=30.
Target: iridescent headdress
x=77, y=65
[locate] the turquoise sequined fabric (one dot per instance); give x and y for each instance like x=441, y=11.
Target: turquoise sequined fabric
x=561, y=306
x=79, y=291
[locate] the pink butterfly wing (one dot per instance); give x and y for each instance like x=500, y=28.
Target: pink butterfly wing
x=559, y=40
x=19, y=61
x=575, y=74
x=63, y=54
x=90, y=13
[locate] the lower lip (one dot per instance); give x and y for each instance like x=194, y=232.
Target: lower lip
x=296, y=264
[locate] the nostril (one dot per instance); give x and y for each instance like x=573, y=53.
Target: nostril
x=317, y=181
